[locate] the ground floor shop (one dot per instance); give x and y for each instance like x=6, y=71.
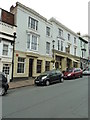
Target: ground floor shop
x=28, y=64
x=65, y=60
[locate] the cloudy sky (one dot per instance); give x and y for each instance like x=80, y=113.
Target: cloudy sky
x=71, y=13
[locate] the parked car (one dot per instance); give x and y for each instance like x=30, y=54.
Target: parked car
x=49, y=77
x=72, y=73
x=86, y=71
x=3, y=84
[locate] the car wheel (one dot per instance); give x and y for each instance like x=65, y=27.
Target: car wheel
x=74, y=77
x=47, y=83
x=2, y=91
x=81, y=75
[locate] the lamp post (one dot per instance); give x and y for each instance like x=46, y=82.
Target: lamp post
x=53, y=54
x=13, y=55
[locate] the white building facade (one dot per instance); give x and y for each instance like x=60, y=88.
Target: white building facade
x=34, y=44
x=7, y=29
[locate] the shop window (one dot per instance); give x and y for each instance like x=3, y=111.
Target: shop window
x=21, y=65
x=39, y=66
x=47, y=66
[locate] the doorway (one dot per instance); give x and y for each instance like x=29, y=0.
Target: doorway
x=30, y=67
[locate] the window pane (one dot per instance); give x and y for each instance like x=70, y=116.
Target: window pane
x=32, y=23
x=47, y=66
x=34, y=43
x=47, y=31
x=47, y=47
x=39, y=65
x=60, y=32
x=61, y=45
x=21, y=65
x=58, y=44
x=5, y=49
x=68, y=36
x=28, y=41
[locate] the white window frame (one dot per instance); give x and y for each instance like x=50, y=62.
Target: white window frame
x=75, y=40
x=75, y=51
x=30, y=23
x=34, y=43
x=20, y=62
x=29, y=38
x=48, y=31
x=60, y=32
x=6, y=69
x=69, y=37
x=5, y=50
x=62, y=45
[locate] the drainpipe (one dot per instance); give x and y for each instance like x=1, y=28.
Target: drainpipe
x=13, y=56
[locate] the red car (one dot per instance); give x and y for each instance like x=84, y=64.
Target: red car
x=72, y=73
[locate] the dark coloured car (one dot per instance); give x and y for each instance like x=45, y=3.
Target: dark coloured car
x=49, y=77
x=3, y=84
x=72, y=73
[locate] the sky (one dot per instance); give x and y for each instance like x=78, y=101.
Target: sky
x=71, y=13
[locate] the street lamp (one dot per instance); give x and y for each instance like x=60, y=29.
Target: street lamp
x=53, y=54
x=13, y=55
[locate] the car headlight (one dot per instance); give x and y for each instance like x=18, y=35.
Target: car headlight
x=44, y=77
x=69, y=74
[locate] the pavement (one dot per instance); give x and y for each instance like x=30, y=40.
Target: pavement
x=21, y=83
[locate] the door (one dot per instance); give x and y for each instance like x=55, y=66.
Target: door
x=30, y=67
x=6, y=71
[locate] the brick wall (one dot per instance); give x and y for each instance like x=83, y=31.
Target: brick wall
x=7, y=17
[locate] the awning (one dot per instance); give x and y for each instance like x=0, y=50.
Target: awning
x=73, y=60
x=60, y=55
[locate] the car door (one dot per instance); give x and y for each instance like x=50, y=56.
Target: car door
x=53, y=76
x=57, y=75
x=75, y=73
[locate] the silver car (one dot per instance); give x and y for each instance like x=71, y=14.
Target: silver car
x=86, y=71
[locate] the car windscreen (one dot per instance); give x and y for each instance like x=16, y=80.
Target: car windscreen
x=69, y=70
x=44, y=73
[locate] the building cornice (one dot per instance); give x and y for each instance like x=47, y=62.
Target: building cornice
x=32, y=11
x=61, y=25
